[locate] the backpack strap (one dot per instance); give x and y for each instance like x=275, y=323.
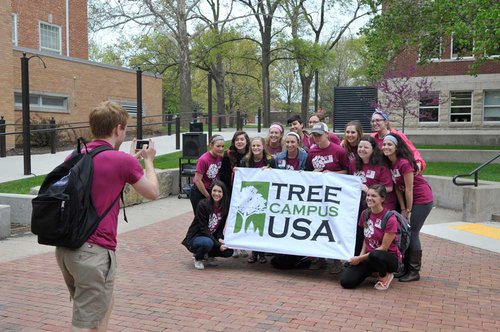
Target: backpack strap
x=93, y=153
x=386, y=217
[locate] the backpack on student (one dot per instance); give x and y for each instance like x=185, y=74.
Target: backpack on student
x=404, y=230
x=63, y=213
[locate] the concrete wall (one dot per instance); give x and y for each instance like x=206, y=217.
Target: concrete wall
x=455, y=137
x=20, y=207
x=462, y=156
x=476, y=203
x=4, y=221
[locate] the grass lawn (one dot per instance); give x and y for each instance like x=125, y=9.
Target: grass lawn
x=489, y=173
x=458, y=147
x=171, y=160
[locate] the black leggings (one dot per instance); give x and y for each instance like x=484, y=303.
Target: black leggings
x=378, y=261
x=419, y=213
x=195, y=197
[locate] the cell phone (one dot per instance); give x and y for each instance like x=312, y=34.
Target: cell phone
x=140, y=143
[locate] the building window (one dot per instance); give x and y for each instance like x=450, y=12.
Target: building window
x=50, y=38
x=428, y=110
x=432, y=47
x=461, y=106
x=43, y=102
x=461, y=49
x=14, y=29
x=492, y=105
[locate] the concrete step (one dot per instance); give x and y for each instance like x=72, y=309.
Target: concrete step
x=495, y=216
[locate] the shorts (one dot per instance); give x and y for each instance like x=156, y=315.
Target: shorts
x=89, y=273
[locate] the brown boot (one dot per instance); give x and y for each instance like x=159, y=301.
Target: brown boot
x=414, y=264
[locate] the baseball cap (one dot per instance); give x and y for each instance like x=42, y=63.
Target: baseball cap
x=319, y=128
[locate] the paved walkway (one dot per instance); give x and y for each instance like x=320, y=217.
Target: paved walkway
x=13, y=166
x=158, y=288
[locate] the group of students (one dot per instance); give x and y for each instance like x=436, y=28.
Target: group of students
x=388, y=164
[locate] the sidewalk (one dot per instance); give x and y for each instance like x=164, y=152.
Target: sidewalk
x=158, y=289
x=13, y=168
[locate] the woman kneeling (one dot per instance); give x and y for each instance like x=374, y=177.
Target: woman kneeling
x=380, y=254
x=205, y=238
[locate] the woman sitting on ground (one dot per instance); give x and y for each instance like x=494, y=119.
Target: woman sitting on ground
x=205, y=237
x=379, y=254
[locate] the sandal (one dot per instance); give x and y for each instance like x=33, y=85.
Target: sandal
x=262, y=260
x=252, y=260
x=384, y=285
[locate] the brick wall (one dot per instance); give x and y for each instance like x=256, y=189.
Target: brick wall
x=6, y=96
x=444, y=67
x=85, y=84
x=30, y=13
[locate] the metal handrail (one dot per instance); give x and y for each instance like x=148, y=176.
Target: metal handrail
x=474, y=172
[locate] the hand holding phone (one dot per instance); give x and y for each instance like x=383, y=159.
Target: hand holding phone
x=140, y=143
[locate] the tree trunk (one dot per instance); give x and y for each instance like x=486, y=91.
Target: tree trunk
x=219, y=86
x=306, y=94
x=266, y=89
x=184, y=66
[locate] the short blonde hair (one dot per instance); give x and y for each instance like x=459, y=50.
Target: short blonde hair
x=105, y=117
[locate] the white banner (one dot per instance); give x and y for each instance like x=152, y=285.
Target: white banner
x=294, y=212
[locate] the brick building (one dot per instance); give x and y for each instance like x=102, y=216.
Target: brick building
x=70, y=85
x=466, y=101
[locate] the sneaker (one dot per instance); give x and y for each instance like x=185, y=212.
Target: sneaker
x=211, y=261
x=199, y=265
x=337, y=267
x=243, y=253
x=384, y=285
x=236, y=254
x=317, y=264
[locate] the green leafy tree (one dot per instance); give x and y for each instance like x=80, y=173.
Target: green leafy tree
x=420, y=26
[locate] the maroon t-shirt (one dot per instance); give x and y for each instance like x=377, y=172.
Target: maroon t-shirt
x=332, y=158
x=376, y=174
x=209, y=166
x=112, y=169
x=422, y=192
x=374, y=233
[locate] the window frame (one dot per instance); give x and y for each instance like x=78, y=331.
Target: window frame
x=492, y=106
x=461, y=106
x=429, y=107
x=48, y=49
x=455, y=56
x=39, y=106
x=15, y=38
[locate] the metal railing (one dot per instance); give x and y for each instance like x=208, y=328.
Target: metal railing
x=474, y=173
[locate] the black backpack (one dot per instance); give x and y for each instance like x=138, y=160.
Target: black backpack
x=63, y=213
x=404, y=230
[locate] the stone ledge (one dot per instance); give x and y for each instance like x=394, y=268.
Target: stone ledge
x=4, y=221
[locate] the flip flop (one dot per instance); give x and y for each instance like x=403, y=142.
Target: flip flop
x=384, y=286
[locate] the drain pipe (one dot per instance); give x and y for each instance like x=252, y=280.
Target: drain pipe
x=67, y=27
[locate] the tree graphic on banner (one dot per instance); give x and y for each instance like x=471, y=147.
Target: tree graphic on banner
x=252, y=208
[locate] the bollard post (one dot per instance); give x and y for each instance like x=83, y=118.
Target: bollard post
x=169, y=123
x=259, y=117
x=177, y=132
x=53, y=136
x=139, y=103
x=25, y=87
x=3, y=144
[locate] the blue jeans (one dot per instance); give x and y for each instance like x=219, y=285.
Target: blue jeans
x=201, y=245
